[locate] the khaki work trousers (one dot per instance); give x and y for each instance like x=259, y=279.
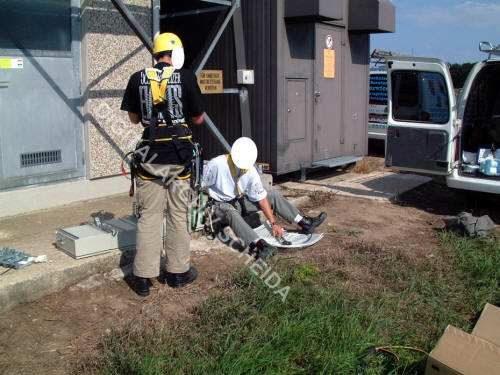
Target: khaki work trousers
x=231, y=215
x=152, y=196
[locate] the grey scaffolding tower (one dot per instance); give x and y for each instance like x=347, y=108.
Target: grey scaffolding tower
x=231, y=10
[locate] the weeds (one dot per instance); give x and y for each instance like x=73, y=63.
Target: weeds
x=363, y=166
x=318, y=197
x=324, y=325
x=355, y=233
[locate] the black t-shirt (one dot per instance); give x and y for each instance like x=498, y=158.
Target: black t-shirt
x=183, y=97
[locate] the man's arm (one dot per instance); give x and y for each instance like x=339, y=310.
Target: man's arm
x=197, y=120
x=266, y=208
x=134, y=117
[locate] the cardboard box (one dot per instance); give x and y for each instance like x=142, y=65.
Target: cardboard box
x=461, y=353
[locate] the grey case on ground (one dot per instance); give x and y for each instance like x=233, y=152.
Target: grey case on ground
x=88, y=239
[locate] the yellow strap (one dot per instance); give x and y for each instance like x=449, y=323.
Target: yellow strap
x=146, y=178
x=169, y=139
x=183, y=124
x=156, y=178
x=233, y=172
x=155, y=90
x=159, y=83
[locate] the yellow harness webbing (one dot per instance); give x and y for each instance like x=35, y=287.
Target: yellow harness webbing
x=158, y=80
x=168, y=139
x=233, y=172
x=182, y=124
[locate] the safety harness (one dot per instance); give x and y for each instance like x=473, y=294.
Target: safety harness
x=210, y=229
x=162, y=131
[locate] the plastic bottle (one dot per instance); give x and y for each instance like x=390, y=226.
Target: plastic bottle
x=491, y=167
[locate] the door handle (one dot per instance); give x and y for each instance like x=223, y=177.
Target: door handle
x=317, y=94
x=4, y=84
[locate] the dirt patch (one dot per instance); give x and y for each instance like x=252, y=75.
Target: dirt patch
x=46, y=336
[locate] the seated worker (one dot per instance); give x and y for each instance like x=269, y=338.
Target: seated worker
x=236, y=189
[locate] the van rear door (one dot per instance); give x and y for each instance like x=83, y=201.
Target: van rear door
x=422, y=114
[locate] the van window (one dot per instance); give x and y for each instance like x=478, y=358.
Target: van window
x=420, y=97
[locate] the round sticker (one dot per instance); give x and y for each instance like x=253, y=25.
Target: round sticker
x=329, y=41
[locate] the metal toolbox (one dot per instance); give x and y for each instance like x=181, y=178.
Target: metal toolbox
x=89, y=239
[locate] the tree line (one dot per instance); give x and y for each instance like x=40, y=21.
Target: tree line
x=459, y=73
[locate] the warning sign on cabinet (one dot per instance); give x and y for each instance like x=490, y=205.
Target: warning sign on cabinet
x=11, y=63
x=210, y=82
x=329, y=63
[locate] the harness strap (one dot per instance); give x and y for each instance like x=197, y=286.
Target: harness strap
x=161, y=125
x=233, y=172
x=158, y=80
x=168, y=139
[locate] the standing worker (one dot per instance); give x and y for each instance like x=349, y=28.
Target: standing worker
x=163, y=99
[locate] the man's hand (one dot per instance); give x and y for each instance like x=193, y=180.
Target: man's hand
x=277, y=230
x=266, y=208
x=197, y=120
x=134, y=117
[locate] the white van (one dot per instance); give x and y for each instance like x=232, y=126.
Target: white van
x=430, y=131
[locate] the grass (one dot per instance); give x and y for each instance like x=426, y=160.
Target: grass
x=355, y=233
x=325, y=322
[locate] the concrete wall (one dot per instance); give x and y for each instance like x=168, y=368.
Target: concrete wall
x=111, y=52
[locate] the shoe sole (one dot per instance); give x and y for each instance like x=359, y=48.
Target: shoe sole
x=178, y=286
x=312, y=229
x=142, y=294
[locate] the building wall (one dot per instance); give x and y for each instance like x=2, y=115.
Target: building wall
x=355, y=94
x=111, y=52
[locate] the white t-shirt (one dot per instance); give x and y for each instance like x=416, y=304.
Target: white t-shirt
x=217, y=177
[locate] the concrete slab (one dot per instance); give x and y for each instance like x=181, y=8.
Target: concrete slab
x=379, y=185
x=34, y=233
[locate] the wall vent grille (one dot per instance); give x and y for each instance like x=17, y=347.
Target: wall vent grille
x=39, y=158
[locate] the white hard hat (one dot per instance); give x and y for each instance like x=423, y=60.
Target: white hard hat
x=244, y=153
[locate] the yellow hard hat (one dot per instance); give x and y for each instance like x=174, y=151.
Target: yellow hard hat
x=166, y=42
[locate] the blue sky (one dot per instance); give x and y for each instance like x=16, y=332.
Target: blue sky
x=448, y=29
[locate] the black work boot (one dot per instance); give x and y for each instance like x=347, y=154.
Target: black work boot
x=179, y=280
x=262, y=250
x=309, y=224
x=140, y=285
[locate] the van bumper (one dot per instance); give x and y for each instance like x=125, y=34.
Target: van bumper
x=475, y=184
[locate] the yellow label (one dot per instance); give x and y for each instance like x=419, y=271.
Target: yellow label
x=5, y=63
x=211, y=82
x=329, y=63
x=265, y=166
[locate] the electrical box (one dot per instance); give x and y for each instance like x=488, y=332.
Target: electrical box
x=88, y=240
x=245, y=77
